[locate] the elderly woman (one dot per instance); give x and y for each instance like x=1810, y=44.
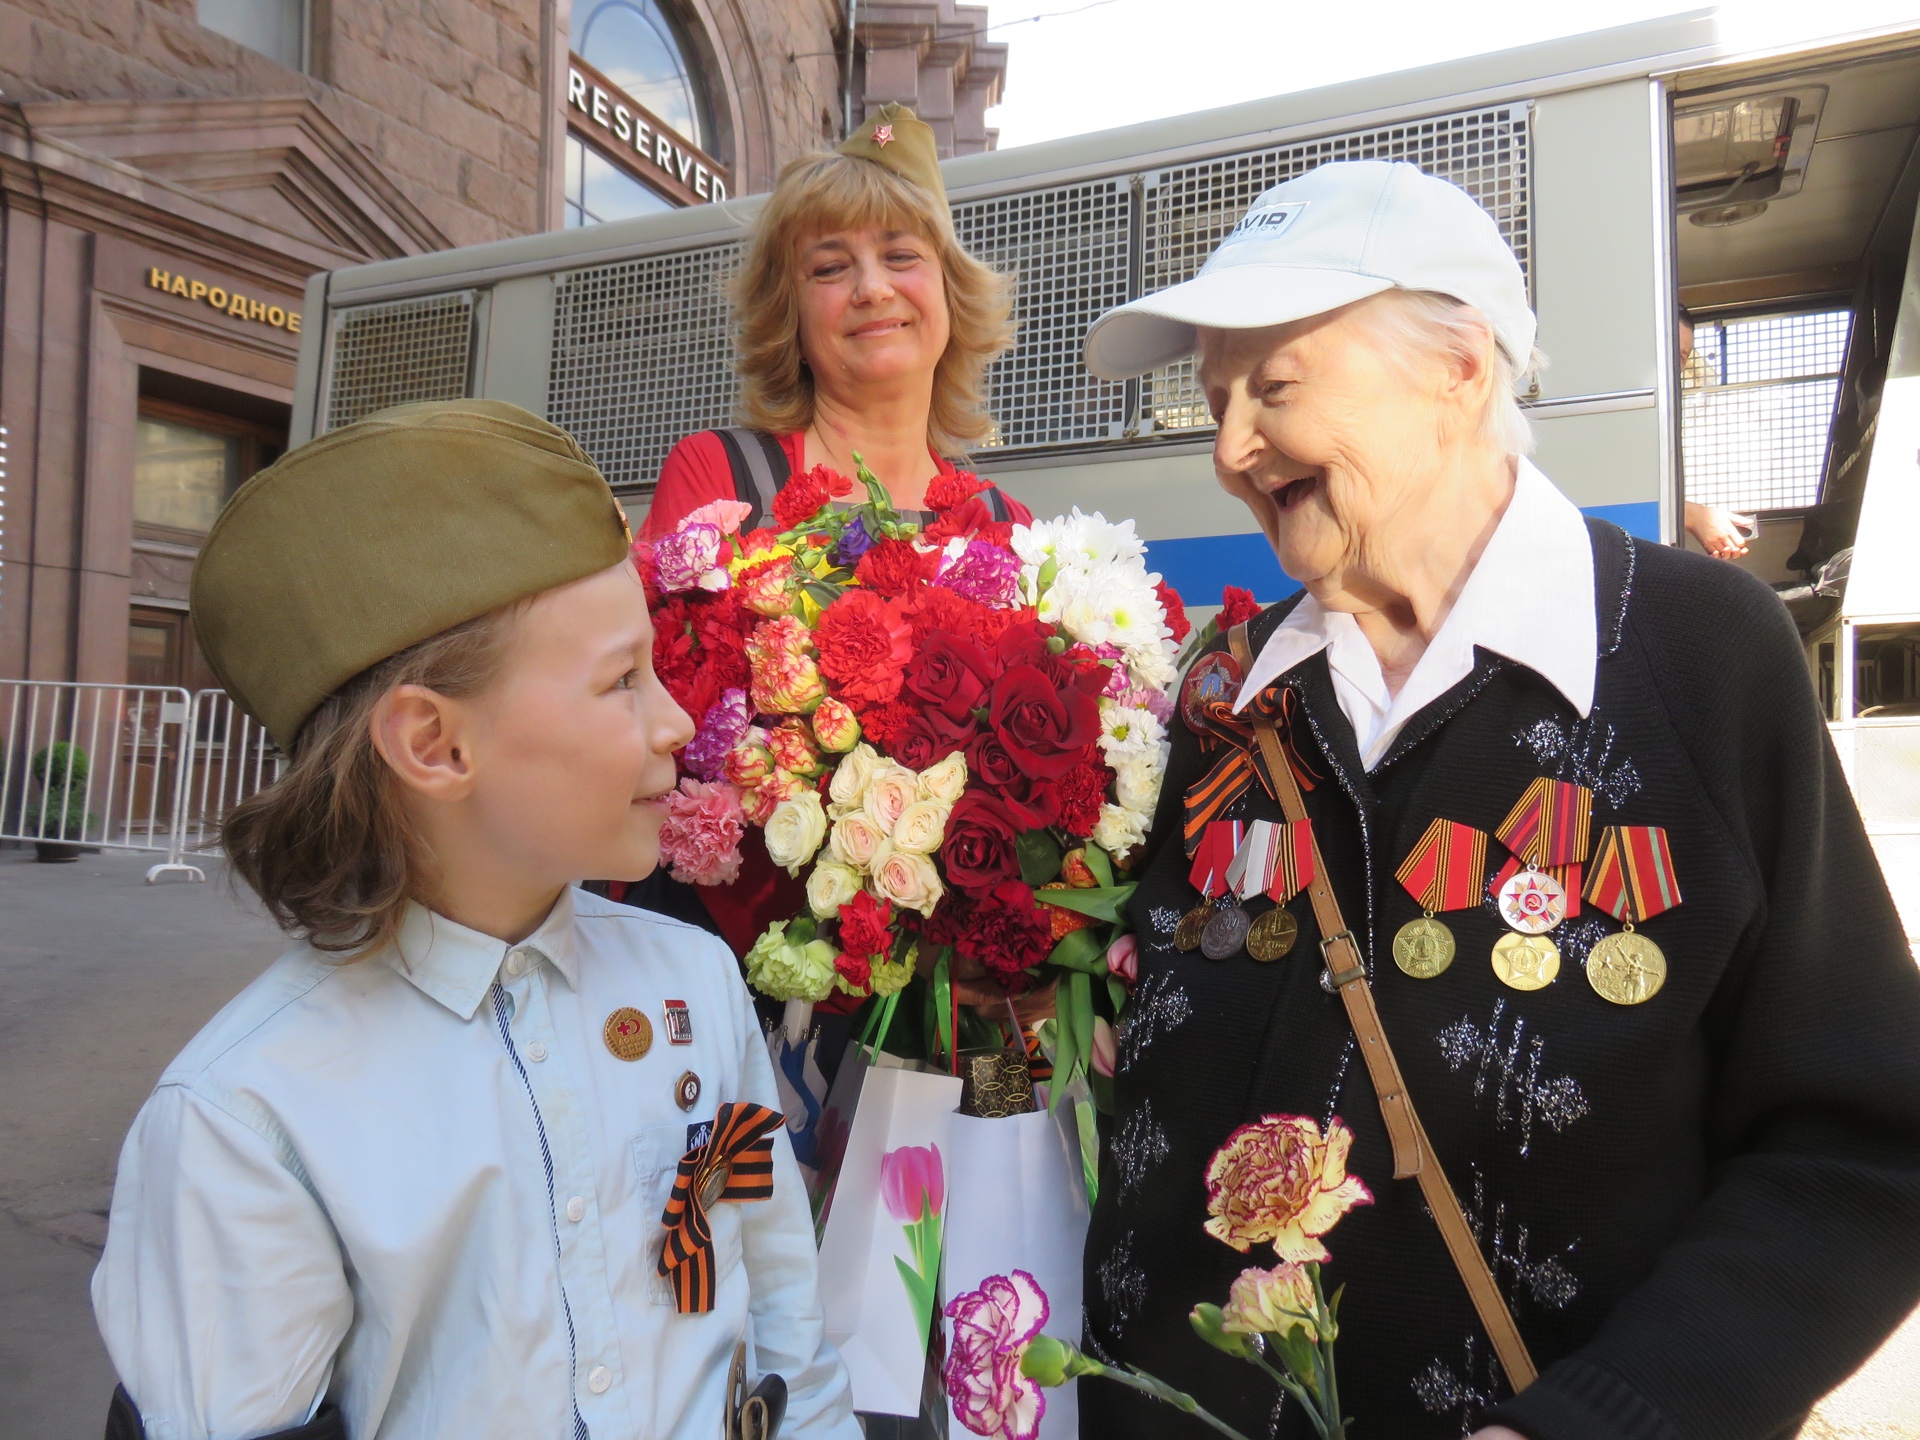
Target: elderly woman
x=1605, y=895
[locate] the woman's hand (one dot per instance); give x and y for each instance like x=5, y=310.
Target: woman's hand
x=975, y=987
x=1496, y=1432
x=1721, y=532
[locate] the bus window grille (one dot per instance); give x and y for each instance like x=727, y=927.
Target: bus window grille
x=643, y=355
x=1190, y=208
x=1066, y=248
x=397, y=353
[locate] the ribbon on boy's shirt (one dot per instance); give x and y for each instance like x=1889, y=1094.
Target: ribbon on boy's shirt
x=1214, y=720
x=734, y=1165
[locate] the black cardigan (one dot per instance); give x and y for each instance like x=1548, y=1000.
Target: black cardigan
x=1704, y=1210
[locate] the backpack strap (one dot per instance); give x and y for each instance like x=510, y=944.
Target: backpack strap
x=997, y=503
x=760, y=468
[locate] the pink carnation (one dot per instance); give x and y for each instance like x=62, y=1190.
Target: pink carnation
x=986, y=574
x=992, y=1327
x=689, y=558
x=700, y=837
x=727, y=514
x=724, y=726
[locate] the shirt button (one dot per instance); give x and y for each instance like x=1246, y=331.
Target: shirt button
x=598, y=1379
x=517, y=964
x=576, y=1212
x=536, y=1052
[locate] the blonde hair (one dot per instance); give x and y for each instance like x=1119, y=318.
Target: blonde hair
x=1425, y=326
x=329, y=847
x=823, y=193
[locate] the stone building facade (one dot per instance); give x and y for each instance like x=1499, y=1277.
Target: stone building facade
x=172, y=172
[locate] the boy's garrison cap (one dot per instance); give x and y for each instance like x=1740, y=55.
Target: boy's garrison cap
x=385, y=533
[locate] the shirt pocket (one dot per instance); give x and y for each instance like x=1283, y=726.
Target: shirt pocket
x=657, y=1151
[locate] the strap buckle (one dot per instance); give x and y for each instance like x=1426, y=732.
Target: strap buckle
x=1353, y=972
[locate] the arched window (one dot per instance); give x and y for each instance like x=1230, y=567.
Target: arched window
x=637, y=45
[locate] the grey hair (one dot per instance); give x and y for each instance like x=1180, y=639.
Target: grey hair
x=1416, y=326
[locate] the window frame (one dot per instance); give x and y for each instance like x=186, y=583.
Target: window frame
x=256, y=439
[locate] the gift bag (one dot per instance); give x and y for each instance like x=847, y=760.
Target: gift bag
x=880, y=1252
x=1016, y=1200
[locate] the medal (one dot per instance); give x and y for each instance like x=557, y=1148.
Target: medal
x=1444, y=871
x=1186, y=935
x=1271, y=936
x=1549, y=825
x=1225, y=933
x=1631, y=879
x=1213, y=680
x=1218, y=845
x=686, y=1090
x=679, y=1023
x=1526, y=962
x=1533, y=902
x=628, y=1033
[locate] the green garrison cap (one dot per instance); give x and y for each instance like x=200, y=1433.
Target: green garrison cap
x=901, y=141
x=385, y=533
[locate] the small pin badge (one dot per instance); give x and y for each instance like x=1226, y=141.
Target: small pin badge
x=628, y=1033
x=679, y=1023
x=686, y=1090
x=882, y=134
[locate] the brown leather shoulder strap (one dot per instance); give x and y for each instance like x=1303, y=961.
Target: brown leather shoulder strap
x=1413, y=1155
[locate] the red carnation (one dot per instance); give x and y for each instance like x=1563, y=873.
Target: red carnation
x=1176, y=610
x=1082, y=793
x=864, y=646
x=1007, y=932
x=802, y=497
x=1237, y=606
x=883, y=724
x=970, y=517
x=894, y=567
x=761, y=539
x=865, y=926
x=946, y=491
x=856, y=970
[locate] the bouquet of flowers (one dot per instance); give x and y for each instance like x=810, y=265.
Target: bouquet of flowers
x=956, y=734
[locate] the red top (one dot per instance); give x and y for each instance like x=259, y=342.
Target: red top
x=696, y=471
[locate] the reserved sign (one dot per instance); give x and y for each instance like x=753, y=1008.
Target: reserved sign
x=632, y=135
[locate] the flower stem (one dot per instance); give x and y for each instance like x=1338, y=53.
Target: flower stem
x=1159, y=1389
x=1299, y=1392
x=1336, y=1425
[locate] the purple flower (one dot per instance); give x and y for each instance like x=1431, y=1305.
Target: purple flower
x=913, y=1182
x=724, y=726
x=690, y=558
x=992, y=1326
x=984, y=573
x=854, y=542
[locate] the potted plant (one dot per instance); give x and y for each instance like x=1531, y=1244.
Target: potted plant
x=61, y=812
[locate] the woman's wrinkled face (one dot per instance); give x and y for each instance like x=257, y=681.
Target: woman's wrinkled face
x=873, y=307
x=1324, y=436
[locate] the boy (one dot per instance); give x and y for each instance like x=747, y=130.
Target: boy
x=411, y=1182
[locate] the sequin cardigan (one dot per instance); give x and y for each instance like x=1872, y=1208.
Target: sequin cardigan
x=1704, y=1210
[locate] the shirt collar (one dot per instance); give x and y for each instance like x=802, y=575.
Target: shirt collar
x=1529, y=598
x=447, y=962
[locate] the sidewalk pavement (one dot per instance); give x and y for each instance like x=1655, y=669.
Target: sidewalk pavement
x=102, y=980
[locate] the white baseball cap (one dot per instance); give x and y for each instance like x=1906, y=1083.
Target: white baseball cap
x=1339, y=233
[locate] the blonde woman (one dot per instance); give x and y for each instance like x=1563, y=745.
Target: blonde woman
x=864, y=326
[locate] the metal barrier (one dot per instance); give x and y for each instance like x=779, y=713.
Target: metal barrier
x=1880, y=757
x=126, y=767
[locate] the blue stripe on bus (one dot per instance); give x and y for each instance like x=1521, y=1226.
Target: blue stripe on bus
x=1200, y=565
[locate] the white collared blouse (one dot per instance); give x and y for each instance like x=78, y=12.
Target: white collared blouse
x=424, y=1185
x=1529, y=598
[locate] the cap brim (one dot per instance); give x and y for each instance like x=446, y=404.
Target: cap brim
x=1158, y=329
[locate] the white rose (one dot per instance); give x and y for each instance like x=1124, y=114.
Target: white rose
x=910, y=881
x=795, y=830
x=921, y=827
x=855, y=838
x=1118, y=830
x=830, y=886
x=891, y=790
x=945, y=781
x=850, y=776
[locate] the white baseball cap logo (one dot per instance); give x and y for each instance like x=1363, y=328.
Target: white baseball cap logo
x=1269, y=223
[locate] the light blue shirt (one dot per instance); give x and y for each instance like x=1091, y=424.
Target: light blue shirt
x=422, y=1185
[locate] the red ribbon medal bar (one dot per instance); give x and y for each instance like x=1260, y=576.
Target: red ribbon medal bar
x=736, y=1164
x=1218, y=844
x=1632, y=880
x=1444, y=871
x=1548, y=831
x=1276, y=860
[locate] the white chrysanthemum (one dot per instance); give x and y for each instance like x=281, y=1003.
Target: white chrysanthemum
x=1108, y=607
x=1093, y=542
x=1153, y=666
x=1137, y=781
x=1130, y=730
x=1118, y=830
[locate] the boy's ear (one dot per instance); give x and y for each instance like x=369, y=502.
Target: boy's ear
x=421, y=734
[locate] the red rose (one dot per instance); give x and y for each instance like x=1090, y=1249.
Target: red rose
x=990, y=764
x=978, y=850
x=865, y=926
x=894, y=567
x=1044, y=727
x=1007, y=932
x=930, y=738
x=1027, y=643
x=946, y=491
x=1033, y=804
x=952, y=674
x=863, y=646
x=856, y=970
x=1082, y=793
x=1176, y=611
x=1237, y=606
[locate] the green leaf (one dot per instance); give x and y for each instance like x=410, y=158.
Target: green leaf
x=1103, y=904
x=823, y=593
x=1088, y=1129
x=1039, y=856
x=1297, y=1354
x=1079, y=950
x=1101, y=864
x=943, y=999
x=1117, y=993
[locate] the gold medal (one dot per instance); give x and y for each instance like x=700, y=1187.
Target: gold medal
x=628, y=1033
x=715, y=1184
x=1627, y=968
x=1423, y=948
x=1533, y=902
x=1193, y=924
x=1526, y=962
x=1272, y=935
